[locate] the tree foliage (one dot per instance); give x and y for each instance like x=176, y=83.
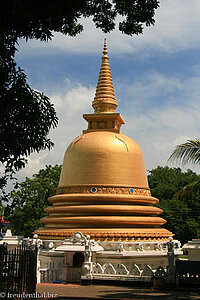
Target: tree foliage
x=28, y=201
x=180, y=200
x=165, y=182
x=38, y=19
x=27, y=115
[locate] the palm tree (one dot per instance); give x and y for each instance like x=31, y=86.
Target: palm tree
x=188, y=152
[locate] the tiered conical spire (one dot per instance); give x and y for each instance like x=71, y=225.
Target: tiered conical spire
x=104, y=100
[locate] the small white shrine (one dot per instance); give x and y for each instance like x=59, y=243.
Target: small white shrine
x=11, y=241
x=193, y=249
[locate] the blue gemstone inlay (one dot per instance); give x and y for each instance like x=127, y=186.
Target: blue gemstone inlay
x=62, y=191
x=131, y=190
x=93, y=190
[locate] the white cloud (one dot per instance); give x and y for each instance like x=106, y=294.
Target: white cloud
x=176, y=28
x=149, y=87
x=159, y=128
x=72, y=102
x=75, y=100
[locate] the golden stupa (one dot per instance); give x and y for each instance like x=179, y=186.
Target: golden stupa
x=103, y=189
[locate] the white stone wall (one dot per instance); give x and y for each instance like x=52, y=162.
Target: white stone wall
x=51, y=265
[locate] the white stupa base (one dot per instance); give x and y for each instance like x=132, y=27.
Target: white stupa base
x=122, y=261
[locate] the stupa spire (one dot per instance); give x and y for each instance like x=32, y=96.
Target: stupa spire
x=104, y=100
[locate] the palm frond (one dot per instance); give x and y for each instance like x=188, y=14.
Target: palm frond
x=188, y=152
x=196, y=186
x=187, y=191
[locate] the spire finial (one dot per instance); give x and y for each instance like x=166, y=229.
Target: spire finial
x=105, y=47
x=104, y=100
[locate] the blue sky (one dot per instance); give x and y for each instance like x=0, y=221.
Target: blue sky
x=156, y=78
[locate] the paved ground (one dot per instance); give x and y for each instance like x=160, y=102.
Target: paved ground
x=75, y=291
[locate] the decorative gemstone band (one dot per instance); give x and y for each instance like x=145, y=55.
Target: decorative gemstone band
x=103, y=190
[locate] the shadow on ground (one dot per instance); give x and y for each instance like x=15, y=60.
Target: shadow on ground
x=150, y=295
x=65, y=291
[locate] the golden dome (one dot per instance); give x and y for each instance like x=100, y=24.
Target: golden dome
x=103, y=189
x=105, y=158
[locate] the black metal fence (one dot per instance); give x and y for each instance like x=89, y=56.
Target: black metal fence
x=18, y=271
x=187, y=273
